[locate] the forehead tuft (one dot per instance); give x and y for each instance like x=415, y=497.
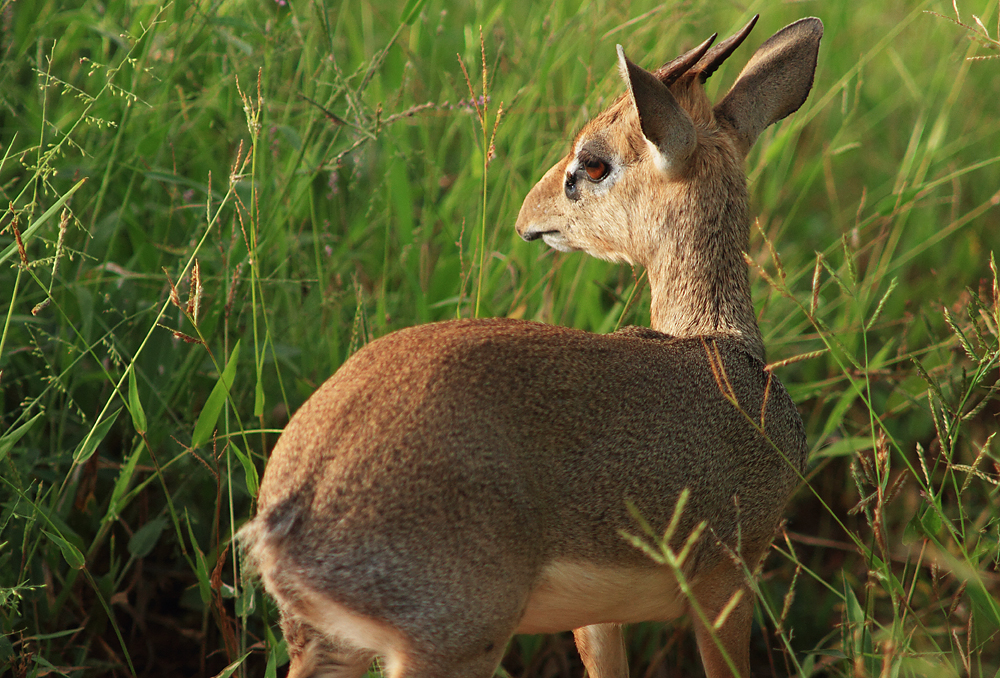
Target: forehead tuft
x=620, y=119
x=617, y=119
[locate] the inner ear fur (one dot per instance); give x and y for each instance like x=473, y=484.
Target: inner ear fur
x=666, y=126
x=774, y=83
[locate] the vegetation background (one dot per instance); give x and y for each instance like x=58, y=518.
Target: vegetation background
x=209, y=205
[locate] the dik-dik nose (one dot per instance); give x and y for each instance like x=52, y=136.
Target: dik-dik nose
x=530, y=234
x=540, y=212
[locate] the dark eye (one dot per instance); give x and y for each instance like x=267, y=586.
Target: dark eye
x=596, y=169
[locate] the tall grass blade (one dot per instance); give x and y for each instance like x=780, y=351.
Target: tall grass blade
x=94, y=437
x=28, y=233
x=209, y=416
x=10, y=438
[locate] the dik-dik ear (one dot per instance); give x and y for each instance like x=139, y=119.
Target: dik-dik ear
x=774, y=83
x=667, y=127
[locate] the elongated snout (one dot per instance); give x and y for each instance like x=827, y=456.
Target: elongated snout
x=542, y=213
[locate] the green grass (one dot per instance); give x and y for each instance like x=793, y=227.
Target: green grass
x=324, y=170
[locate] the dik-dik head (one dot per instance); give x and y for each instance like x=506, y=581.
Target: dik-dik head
x=662, y=160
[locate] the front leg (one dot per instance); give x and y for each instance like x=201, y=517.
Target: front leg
x=602, y=648
x=725, y=648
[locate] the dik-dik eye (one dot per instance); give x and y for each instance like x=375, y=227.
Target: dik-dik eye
x=596, y=168
x=588, y=165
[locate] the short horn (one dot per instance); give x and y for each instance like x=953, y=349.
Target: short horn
x=672, y=70
x=711, y=61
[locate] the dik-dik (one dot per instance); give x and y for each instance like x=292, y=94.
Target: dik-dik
x=457, y=483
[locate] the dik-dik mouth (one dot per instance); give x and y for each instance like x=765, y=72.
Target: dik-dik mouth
x=554, y=239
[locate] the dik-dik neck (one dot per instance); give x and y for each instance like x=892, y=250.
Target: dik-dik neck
x=698, y=277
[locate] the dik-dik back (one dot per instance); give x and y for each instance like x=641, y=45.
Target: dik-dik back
x=456, y=483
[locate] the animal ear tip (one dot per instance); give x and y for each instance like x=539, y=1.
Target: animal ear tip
x=622, y=63
x=623, y=60
x=812, y=24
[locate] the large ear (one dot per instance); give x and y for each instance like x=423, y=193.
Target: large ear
x=667, y=127
x=774, y=83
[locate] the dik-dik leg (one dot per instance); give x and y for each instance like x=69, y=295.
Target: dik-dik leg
x=602, y=649
x=731, y=639
x=313, y=655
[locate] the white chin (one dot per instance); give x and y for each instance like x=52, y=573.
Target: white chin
x=557, y=242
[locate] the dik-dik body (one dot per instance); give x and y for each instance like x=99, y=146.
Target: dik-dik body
x=456, y=483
